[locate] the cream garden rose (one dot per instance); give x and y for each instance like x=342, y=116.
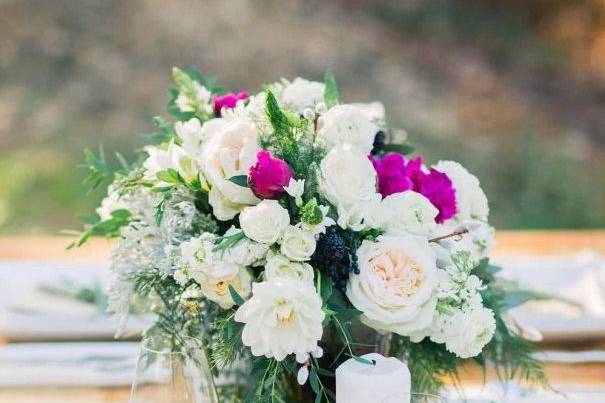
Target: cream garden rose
x=264, y=222
x=215, y=286
x=230, y=151
x=347, y=124
x=348, y=181
x=297, y=244
x=282, y=317
x=395, y=286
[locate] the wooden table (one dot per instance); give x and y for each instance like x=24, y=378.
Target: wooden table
x=508, y=242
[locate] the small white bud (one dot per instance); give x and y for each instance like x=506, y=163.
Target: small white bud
x=321, y=107
x=318, y=352
x=308, y=114
x=302, y=375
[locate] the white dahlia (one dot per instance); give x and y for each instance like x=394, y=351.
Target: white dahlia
x=282, y=317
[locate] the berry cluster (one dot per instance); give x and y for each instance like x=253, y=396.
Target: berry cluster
x=378, y=144
x=335, y=255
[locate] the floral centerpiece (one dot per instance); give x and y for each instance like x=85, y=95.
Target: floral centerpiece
x=290, y=231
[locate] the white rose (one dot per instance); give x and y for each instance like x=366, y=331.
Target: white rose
x=347, y=124
x=282, y=317
x=174, y=157
x=230, y=151
x=215, y=286
x=471, y=201
x=191, y=135
x=280, y=267
x=348, y=181
x=297, y=244
x=408, y=212
x=395, y=286
x=264, y=222
x=301, y=94
x=468, y=331
x=111, y=203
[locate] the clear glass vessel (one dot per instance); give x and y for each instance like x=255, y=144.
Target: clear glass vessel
x=171, y=371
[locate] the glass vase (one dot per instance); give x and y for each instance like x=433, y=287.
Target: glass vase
x=171, y=371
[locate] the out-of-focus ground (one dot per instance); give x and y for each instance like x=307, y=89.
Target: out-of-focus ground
x=514, y=89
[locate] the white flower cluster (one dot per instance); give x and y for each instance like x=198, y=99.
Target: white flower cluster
x=411, y=277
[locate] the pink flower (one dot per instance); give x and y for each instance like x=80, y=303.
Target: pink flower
x=396, y=174
x=227, y=101
x=269, y=176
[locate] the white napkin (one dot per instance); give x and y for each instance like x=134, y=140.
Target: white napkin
x=28, y=313
x=579, y=278
x=65, y=364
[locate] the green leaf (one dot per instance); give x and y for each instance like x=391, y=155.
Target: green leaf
x=240, y=180
x=404, y=149
x=235, y=296
x=325, y=288
x=278, y=119
x=362, y=360
x=331, y=90
x=314, y=381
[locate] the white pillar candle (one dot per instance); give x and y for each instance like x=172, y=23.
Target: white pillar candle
x=358, y=382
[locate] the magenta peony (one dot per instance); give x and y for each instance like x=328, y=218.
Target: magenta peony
x=396, y=174
x=269, y=176
x=227, y=101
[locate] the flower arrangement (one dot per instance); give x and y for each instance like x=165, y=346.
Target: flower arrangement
x=289, y=231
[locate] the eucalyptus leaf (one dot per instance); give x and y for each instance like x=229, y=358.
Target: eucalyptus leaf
x=240, y=180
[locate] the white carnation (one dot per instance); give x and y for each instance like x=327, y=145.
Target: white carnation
x=280, y=267
x=297, y=244
x=468, y=331
x=407, y=212
x=282, y=317
x=471, y=201
x=347, y=124
x=395, y=286
x=348, y=181
x=264, y=222
x=301, y=94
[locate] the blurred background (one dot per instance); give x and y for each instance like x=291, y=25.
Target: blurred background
x=513, y=89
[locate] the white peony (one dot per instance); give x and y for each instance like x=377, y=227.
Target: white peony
x=466, y=332
x=348, y=181
x=471, y=201
x=301, y=94
x=229, y=151
x=282, y=317
x=174, y=157
x=280, y=267
x=407, y=212
x=395, y=286
x=215, y=286
x=111, y=203
x=264, y=222
x=297, y=244
x=347, y=124
x=191, y=135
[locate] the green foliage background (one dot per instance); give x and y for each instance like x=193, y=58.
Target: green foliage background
x=485, y=84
